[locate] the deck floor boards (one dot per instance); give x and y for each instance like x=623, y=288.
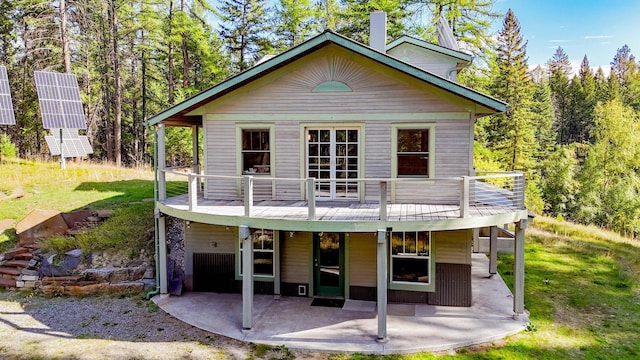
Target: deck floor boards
x=335, y=211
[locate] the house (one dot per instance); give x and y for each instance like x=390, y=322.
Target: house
x=347, y=170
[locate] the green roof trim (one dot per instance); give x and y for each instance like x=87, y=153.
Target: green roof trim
x=321, y=40
x=429, y=46
x=332, y=86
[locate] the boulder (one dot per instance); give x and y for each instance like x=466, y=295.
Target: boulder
x=126, y=287
x=39, y=224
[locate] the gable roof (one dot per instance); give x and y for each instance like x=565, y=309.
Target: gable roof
x=405, y=39
x=175, y=115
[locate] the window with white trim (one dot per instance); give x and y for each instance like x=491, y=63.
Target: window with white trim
x=263, y=250
x=256, y=154
x=411, y=257
x=413, y=153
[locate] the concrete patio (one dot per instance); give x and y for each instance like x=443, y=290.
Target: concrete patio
x=293, y=322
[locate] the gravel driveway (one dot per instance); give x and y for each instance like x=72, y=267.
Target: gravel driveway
x=104, y=327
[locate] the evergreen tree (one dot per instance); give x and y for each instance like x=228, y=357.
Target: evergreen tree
x=559, y=69
x=295, y=21
x=588, y=82
x=559, y=182
x=512, y=134
x=356, y=13
x=543, y=118
x=244, y=31
x=627, y=71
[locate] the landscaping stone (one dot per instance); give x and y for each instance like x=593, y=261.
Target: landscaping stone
x=30, y=272
x=149, y=273
x=72, y=259
x=137, y=273
x=100, y=275
x=119, y=275
x=126, y=287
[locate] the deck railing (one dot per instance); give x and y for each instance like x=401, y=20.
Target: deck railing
x=495, y=189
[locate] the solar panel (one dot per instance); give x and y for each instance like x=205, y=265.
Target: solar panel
x=6, y=106
x=73, y=145
x=59, y=97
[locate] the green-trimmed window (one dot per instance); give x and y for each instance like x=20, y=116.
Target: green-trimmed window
x=256, y=156
x=411, y=257
x=413, y=152
x=263, y=251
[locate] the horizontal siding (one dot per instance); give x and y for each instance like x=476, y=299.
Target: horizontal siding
x=428, y=60
x=204, y=238
x=295, y=253
x=453, y=247
x=288, y=145
x=378, y=156
x=375, y=89
x=362, y=259
x=220, y=139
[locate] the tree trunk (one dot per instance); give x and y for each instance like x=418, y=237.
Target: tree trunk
x=117, y=91
x=170, y=79
x=185, y=54
x=64, y=39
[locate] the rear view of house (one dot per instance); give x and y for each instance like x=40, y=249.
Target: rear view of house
x=339, y=170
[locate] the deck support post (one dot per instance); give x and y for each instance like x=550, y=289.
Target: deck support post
x=382, y=284
x=493, y=250
x=476, y=240
x=162, y=163
x=248, y=195
x=464, y=197
x=383, y=201
x=518, y=271
x=311, y=198
x=193, y=191
x=247, y=277
x=162, y=254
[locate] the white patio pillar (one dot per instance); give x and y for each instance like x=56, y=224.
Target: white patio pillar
x=162, y=254
x=247, y=277
x=382, y=284
x=518, y=271
x=476, y=240
x=162, y=162
x=194, y=139
x=493, y=250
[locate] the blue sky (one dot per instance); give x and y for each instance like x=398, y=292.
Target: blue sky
x=597, y=28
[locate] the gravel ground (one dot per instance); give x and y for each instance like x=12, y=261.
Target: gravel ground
x=104, y=327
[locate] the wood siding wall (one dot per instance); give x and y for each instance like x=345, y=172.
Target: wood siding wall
x=288, y=92
x=295, y=253
x=204, y=238
x=431, y=61
x=362, y=259
x=453, y=247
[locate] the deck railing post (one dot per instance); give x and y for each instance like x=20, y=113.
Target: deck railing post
x=520, y=179
x=464, y=197
x=311, y=198
x=248, y=195
x=162, y=163
x=193, y=191
x=383, y=201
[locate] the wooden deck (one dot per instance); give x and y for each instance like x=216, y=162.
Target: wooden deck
x=334, y=211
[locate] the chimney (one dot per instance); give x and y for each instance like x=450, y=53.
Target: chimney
x=378, y=31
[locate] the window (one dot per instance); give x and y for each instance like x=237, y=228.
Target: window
x=410, y=257
x=413, y=152
x=262, y=253
x=256, y=156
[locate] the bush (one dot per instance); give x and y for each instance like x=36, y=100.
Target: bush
x=7, y=148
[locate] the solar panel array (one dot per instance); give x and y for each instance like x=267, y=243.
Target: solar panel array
x=6, y=106
x=59, y=97
x=73, y=145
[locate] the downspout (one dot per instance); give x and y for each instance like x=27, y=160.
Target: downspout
x=156, y=213
x=458, y=67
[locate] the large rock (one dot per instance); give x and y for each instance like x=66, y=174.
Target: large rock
x=119, y=275
x=99, y=275
x=126, y=287
x=40, y=224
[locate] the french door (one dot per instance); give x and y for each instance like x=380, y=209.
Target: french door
x=332, y=153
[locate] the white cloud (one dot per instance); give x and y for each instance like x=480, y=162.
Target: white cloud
x=559, y=41
x=598, y=37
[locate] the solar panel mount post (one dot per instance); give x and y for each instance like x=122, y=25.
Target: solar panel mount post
x=7, y=117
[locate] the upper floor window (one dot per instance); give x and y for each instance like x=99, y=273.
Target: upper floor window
x=413, y=155
x=256, y=156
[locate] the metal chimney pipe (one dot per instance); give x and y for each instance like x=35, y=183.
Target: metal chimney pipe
x=378, y=31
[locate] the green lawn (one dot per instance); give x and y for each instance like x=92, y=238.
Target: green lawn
x=581, y=283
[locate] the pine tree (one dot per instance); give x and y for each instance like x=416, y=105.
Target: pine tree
x=295, y=21
x=588, y=82
x=244, y=31
x=559, y=69
x=512, y=133
x=543, y=118
x=355, y=18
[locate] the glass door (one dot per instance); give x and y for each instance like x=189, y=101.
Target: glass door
x=328, y=263
x=332, y=153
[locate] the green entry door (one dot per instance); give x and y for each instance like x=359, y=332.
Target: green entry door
x=328, y=264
